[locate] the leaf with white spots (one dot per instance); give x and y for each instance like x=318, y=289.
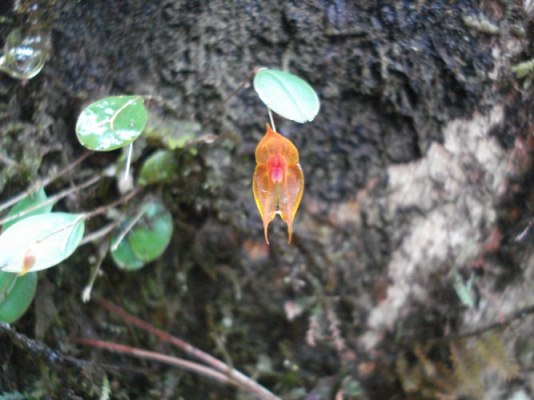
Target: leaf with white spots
x=111, y=123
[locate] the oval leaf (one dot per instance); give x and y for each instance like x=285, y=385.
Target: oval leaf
x=7, y=282
x=286, y=94
x=170, y=132
x=30, y=202
x=40, y=241
x=124, y=257
x=152, y=234
x=160, y=167
x=111, y=123
x=19, y=298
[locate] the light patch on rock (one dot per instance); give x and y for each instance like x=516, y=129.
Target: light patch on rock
x=449, y=197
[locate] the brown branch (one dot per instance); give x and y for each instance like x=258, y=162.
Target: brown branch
x=191, y=350
x=129, y=227
x=53, y=199
x=106, y=207
x=512, y=317
x=154, y=356
x=52, y=356
x=43, y=182
x=478, y=331
x=100, y=233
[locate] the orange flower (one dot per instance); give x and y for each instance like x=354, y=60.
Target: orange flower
x=278, y=181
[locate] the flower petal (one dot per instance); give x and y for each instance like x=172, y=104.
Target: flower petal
x=265, y=196
x=290, y=195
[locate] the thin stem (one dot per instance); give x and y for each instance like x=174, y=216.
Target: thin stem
x=495, y=325
x=96, y=235
x=187, y=348
x=129, y=227
x=86, y=293
x=85, y=216
x=53, y=199
x=43, y=182
x=272, y=119
x=154, y=356
x=241, y=85
x=106, y=207
x=128, y=161
x=80, y=218
x=207, y=138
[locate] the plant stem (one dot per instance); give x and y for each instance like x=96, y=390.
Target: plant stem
x=522, y=312
x=40, y=351
x=238, y=376
x=43, y=182
x=79, y=218
x=96, y=235
x=104, y=208
x=86, y=293
x=86, y=216
x=128, y=228
x=53, y=199
x=272, y=119
x=154, y=356
x=128, y=161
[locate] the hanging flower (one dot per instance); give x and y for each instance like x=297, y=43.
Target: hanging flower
x=278, y=181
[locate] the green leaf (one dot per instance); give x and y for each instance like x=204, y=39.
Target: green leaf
x=152, y=234
x=19, y=298
x=14, y=396
x=124, y=257
x=160, y=167
x=7, y=281
x=111, y=123
x=170, y=132
x=286, y=94
x=40, y=241
x=27, y=203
